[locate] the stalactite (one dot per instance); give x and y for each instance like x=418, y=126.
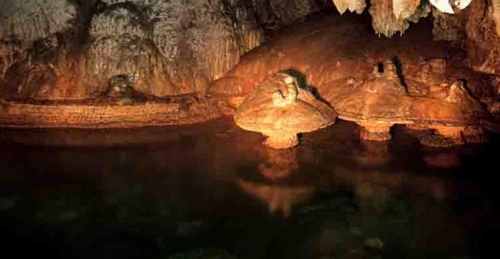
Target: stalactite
x=30, y=20
x=403, y=9
x=383, y=19
x=357, y=6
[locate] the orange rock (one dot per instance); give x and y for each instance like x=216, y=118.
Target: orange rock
x=280, y=110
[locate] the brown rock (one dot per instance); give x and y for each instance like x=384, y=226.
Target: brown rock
x=280, y=110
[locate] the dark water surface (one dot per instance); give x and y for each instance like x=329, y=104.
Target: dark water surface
x=212, y=191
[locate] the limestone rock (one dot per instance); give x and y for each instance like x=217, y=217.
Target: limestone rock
x=280, y=110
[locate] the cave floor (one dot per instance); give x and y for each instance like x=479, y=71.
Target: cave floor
x=213, y=191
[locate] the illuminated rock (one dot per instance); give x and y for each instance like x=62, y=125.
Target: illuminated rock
x=357, y=6
x=376, y=105
x=454, y=115
x=388, y=21
x=279, y=109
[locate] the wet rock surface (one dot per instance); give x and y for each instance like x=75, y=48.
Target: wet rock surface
x=416, y=85
x=280, y=109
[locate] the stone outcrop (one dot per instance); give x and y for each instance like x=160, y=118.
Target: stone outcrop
x=165, y=47
x=70, y=50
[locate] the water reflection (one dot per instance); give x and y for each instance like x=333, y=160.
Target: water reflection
x=217, y=189
x=372, y=153
x=278, y=163
x=383, y=183
x=443, y=159
x=277, y=167
x=276, y=197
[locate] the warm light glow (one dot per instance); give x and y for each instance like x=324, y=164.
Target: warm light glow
x=445, y=6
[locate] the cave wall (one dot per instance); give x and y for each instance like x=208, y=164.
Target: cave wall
x=482, y=27
x=69, y=49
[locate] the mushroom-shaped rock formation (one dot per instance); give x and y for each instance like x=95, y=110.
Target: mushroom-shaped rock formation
x=376, y=105
x=280, y=110
x=453, y=113
x=277, y=197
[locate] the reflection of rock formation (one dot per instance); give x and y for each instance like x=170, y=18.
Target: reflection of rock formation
x=277, y=197
x=382, y=184
x=279, y=109
x=448, y=159
x=372, y=153
x=279, y=163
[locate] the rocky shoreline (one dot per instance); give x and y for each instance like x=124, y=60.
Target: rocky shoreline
x=99, y=116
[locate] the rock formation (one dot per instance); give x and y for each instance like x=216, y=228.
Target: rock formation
x=165, y=47
x=70, y=50
x=279, y=109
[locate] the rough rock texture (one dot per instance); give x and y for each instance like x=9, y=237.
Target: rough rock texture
x=62, y=49
x=70, y=51
x=357, y=6
x=447, y=26
x=375, y=105
x=409, y=88
x=453, y=113
x=30, y=20
x=121, y=44
x=388, y=21
x=173, y=47
x=83, y=115
x=29, y=34
x=272, y=14
x=483, y=41
x=328, y=52
x=279, y=109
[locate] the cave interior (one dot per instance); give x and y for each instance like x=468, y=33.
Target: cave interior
x=250, y=128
